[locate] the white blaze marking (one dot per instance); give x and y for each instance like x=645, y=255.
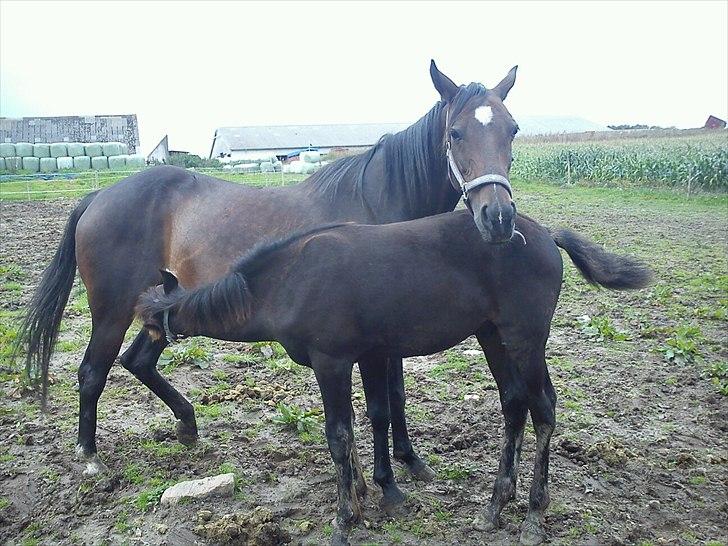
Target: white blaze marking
x=484, y=114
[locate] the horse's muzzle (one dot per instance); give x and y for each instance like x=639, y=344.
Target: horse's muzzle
x=496, y=221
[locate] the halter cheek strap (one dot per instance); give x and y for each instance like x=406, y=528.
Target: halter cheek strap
x=170, y=336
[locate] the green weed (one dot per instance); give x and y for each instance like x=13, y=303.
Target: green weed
x=682, y=346
x=295, y=418
x=601, y=328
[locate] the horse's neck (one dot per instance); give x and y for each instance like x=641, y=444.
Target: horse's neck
x=405, y=178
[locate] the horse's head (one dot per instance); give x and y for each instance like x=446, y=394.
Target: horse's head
x=479, y=131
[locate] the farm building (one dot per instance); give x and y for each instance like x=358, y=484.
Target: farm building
x=235, y=143
x=120, y=128
x=714, y=123
x=255, y=142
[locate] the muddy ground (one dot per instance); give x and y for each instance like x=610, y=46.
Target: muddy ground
x=638, y=457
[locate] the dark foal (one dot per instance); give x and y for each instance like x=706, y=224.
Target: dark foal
x=197, y=225
x=349, y=293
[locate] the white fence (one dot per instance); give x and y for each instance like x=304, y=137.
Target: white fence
x=39, y=185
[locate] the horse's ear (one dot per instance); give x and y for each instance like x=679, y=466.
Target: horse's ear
x=506, y=83
x=444, y=85
x=169, y=281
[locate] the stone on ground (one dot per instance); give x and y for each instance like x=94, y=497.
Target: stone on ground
x=222, y=485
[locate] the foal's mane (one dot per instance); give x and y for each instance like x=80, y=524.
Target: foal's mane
x=226, y=300
x=414, y=159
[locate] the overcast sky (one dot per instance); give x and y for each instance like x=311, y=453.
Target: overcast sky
x=186, y=68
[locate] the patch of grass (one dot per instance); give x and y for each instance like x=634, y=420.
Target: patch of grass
x=149, y=498
x=297, y=419
x=601, y=328
x=121, y=524
x=682, y=346
x=718, y=373
x=455, y=365
x=220, y=375
x=211, y=411
x=134, y=473
x=190, y=354
x=161, y=449
x=698, y=480
x=69, y=346
x=455, y=471
x=4, y=502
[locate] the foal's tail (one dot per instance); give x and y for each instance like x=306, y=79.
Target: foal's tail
x=601, y=267
x=39, y=327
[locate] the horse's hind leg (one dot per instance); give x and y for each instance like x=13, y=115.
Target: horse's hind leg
x=542, y=404
x=106, y=340
x=334, y=379
x=141, y=360
x=513, y=399
x=403, y=450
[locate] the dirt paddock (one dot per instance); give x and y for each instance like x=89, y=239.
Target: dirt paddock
x=638, y=457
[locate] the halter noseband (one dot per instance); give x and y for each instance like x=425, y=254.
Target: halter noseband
x=465, y=187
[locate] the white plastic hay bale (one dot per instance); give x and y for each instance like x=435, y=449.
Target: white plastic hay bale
x=2, y=164
x=277, y=166
x=267, y=168
x=81, y=163
x=59, y=149
x=65, y=163
x=308, y=168
x=124, y=148
x=117, y=162
x=31, y=164
x=23, y=149
x=41, y=149
x=7, y=149
x=286, y=168
x=310, y=157
x=111, y=148
x=99, y=162
x=296, y=166
x=13, y=163
x=48, y=164
x=135, y=161
x=74, y=149
x=93, y=149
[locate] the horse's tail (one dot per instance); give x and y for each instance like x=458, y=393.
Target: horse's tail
x=39, y=327
x=600, y=267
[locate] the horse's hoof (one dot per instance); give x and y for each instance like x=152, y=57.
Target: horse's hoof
x=187, y=434
x=531, y=533
x=340, y=537
x=485, y=523
x=420, y=471
x=392, y=499
x=94, y=467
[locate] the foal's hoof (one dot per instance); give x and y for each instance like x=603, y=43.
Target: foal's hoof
x=187, y=434
x=94, y=467
x=532, y=533
x=485, y=523
x=392, y=498
x=340, y=537
x=420, y=471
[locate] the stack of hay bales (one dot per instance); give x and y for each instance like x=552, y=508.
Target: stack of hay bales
x=64, y=156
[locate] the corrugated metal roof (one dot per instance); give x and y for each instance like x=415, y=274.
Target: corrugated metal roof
x=364, y=134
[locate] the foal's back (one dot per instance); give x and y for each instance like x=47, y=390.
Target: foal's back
x=408, y=288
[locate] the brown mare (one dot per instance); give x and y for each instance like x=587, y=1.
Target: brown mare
x=330, y=298
x=196, y=225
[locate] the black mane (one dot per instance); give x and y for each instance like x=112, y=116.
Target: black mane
x=414, y=163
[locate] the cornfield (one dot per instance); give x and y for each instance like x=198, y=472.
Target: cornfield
x=696, y=160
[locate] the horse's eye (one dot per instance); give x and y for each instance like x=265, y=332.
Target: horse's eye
x=455, y=134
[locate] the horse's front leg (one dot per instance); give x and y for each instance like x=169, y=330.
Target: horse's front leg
x=374, y=377
x=403, y=450
x=334, y=379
